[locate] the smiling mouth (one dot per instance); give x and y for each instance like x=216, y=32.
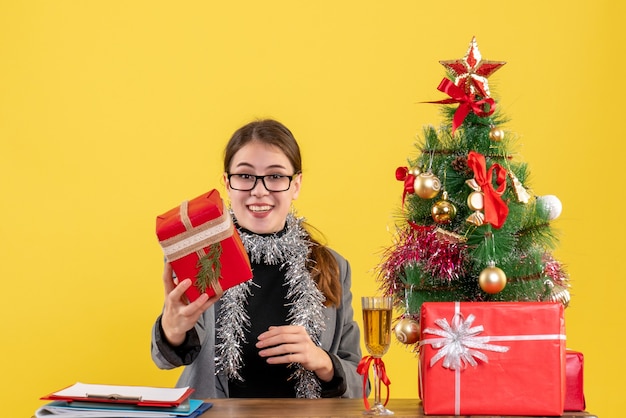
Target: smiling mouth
x=263, y=208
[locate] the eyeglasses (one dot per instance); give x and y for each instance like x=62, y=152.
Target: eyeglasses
x=271, y=182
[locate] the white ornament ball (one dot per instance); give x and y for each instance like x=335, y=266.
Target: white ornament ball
x=552, y=205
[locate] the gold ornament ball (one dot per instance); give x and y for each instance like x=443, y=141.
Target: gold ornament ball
x=443, y=212
x=414, y=171
x=407, y=331
x=492, y=280
x=427, y=185
x=496, y=134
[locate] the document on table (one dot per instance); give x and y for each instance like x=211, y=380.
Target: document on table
x=145, y=393
x=139, y=395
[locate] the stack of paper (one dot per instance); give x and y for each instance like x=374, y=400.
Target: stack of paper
x=109, y=401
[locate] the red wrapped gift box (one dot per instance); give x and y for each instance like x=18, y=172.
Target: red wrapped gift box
x=492, y=358
x=574, y=394
x=202, y=229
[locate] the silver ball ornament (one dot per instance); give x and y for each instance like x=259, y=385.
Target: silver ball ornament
x=552, y=205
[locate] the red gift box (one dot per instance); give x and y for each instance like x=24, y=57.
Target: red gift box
x=574, y=394
x=492, y=358
x=200, y=241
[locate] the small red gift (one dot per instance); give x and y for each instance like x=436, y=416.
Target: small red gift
x=200, y=241
x=574, y=394
x=492, y=358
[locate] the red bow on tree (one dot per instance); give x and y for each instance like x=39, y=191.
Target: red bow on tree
x=467, y=102
x=496, y=209
x=402, y=174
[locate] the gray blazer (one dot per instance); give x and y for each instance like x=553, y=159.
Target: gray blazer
x=341, y=339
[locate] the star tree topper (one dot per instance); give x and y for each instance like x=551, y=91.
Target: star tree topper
x=471, y=71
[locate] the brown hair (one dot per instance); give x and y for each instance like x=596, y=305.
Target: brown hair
x=322, y=264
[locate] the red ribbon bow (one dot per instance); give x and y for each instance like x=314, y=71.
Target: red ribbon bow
x=467, y=102
x=379, y=369
x=496, y=210
x=402, y=174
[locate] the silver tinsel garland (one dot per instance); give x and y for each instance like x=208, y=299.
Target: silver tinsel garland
x=306, y=302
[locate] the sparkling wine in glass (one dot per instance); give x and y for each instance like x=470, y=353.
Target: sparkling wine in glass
x=377, y=316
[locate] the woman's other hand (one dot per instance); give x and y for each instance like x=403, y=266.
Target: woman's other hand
x=292, y=344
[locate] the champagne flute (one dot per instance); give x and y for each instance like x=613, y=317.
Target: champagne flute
x=377, y=315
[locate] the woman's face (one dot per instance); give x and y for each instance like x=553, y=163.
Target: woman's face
x=259, y=210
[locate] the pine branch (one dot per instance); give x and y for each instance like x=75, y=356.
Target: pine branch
x=210, y=268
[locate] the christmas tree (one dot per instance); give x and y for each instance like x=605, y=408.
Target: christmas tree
x=470, y=228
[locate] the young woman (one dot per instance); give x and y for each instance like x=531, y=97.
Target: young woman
x=290, y=331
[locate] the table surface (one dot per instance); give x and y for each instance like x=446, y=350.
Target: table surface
x=332, y=407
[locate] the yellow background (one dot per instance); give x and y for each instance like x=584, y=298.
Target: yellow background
x=112, y=112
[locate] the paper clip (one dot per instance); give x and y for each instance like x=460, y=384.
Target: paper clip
x=113, y=397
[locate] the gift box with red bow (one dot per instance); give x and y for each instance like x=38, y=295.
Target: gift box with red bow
x=492, y=358
x=200, y=241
